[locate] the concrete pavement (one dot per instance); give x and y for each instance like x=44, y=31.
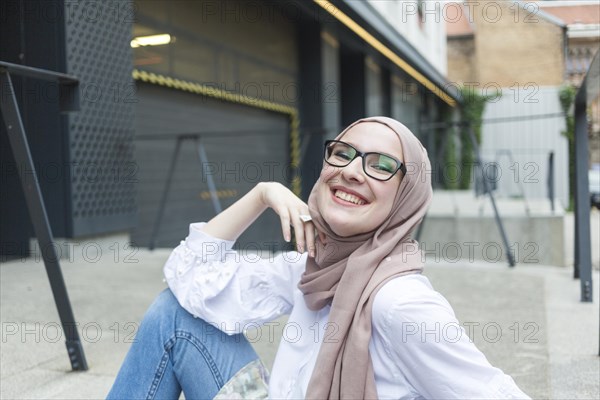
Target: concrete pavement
x=527, y=320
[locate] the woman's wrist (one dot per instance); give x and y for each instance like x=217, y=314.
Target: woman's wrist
x=234, y=220
x=263, y=189
x=259, y=190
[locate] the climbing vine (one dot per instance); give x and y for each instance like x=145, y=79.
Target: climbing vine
x=471, y=115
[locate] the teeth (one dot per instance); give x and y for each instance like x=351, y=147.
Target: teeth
x=349, y=197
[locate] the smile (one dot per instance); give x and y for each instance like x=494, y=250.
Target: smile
x=340, y=194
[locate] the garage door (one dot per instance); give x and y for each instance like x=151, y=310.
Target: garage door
x=229, y=145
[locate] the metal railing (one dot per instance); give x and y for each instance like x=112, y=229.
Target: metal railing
x=184, y=142
x=68, y=101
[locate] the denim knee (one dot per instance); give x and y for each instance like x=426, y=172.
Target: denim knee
x=166, y=312
x=163, y=308
x=168, y=317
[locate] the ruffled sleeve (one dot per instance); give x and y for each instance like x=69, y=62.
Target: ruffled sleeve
x=429, y=348
x=231, y=290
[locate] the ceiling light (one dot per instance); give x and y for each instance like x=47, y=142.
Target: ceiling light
x=152, y=40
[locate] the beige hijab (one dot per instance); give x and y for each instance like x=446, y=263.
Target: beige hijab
x=347, y=272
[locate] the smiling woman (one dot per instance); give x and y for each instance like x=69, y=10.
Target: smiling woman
x=351, y=300
x=356, y=193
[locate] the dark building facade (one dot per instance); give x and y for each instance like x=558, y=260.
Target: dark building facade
x=82, y=159
x=185, y=105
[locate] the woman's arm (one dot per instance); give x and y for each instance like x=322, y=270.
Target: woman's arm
x=234, y=220
x=227, y=289
x=431, y=349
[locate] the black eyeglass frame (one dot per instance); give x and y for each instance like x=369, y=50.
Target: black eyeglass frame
x=401, y=166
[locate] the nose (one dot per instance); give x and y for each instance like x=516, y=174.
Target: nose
x=354, y=171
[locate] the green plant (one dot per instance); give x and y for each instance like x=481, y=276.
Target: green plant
x=566, y=96
x=448, y=169
x=471, y=114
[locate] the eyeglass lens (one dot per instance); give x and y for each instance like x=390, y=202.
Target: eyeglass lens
x=376, y=165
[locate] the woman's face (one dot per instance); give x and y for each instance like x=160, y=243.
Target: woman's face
x=341, y=189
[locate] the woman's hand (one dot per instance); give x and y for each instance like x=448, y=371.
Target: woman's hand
x=289, y=208
x=234, y=220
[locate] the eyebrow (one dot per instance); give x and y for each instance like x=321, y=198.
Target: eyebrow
x=401, y=158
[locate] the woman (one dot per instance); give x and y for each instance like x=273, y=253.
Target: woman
x=358, y=304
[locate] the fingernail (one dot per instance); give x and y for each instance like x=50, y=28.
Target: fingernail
x=286, y=238
x=300, y=249
x=312, y=254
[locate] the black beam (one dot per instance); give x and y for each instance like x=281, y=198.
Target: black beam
x=165, y=193
x=37, y=73
x=583, y=259
x=311, y=103
x=486, y=185
x=353, y=85
x=39, y=218
x=551, y=180
x=386, y=92
x=68, y=89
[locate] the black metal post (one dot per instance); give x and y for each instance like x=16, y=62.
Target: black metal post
x=582, y=198
x=511, y=159
x=163, y=199
x=212, y=188
x=509, y=254
x=39, y=218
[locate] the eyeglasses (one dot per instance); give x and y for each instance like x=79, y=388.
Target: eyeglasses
x=376, y=165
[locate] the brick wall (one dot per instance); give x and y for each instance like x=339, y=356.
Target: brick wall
x=461, y=59
x=519, y=46
x=511, y=45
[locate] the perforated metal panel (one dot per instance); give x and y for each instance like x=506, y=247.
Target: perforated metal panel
x=103, y=172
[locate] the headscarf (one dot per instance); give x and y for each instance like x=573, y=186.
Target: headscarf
x=347, y=272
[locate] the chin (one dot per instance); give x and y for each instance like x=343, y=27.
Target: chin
x=340, y=232
x=339, y=219
x=340, y=226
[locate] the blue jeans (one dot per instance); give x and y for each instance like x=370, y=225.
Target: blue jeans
x=173, y=351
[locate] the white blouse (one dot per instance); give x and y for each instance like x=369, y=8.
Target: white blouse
x=418, y=349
